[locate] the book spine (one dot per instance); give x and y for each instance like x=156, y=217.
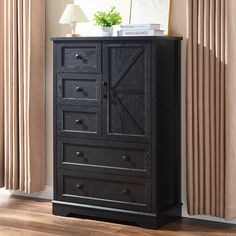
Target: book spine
x=143, y=27
x=140, y=33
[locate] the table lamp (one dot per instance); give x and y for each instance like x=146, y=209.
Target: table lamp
x=72, y=15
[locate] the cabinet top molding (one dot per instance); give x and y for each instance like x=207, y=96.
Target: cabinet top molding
x=122, y=38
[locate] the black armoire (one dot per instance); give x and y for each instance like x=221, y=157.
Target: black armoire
x=117, y=128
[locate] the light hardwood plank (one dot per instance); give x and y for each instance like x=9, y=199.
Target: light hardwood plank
x=21, y=216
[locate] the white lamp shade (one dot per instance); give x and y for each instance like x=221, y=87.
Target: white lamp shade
x=73, y=14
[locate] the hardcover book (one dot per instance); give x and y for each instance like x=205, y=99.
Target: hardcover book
x=140, y=33
x=141, y=26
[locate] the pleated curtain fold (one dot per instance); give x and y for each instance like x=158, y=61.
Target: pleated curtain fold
x=1, y=93
x=208, y=111
x=22, y=101
x=230, y=110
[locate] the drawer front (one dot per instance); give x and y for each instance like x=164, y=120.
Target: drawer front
x=79, y=121
x=130, y=158
x=79, y=57
x=105, y=190
x=79, y=89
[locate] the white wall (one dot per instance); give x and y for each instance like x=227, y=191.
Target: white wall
x=90, y=7
x=53, y=13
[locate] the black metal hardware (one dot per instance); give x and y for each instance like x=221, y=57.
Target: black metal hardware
x=78, y=56
x=79, y=186
x=104, y=89
x=79, y=154
x=79, y=89
x=79, y=122
x=125, y=158
x=125, y=191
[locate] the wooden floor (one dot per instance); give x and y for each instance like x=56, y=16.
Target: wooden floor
x=20, y=216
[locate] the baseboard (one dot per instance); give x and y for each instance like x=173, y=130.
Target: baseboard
x=46, y=194
x=208, y=218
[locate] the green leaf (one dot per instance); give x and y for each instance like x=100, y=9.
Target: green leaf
x=109, y=18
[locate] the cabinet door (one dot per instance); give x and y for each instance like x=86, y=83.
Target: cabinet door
x=127, y=91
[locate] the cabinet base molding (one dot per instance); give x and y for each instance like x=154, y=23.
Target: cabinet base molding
x=142, y=219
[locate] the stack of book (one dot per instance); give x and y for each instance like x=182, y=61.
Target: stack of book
x=140, y=30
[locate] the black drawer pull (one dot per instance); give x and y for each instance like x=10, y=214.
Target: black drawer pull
x=104, y=90
x=125, y=158
x=79, y=186
x=79, y=154
x=79, y=122
x=125, y=191
x=78, y=56
x=79, y=89
x=82, y=58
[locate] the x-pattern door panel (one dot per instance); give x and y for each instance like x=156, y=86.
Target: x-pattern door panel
x=128, y=80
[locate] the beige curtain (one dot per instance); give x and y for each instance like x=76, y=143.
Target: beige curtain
x=211, y=89
x=230, y=177
x=1, y=95
x=22, y=146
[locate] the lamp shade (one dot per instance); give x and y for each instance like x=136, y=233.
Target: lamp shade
x=73, y=14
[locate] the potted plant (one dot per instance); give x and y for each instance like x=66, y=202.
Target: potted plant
x=107, y=19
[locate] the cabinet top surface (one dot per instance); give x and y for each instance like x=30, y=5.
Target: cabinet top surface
x=117, y=38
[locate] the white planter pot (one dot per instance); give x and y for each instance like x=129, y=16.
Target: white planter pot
x=107, y=31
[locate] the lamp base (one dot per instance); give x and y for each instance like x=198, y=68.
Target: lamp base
x=73, y=35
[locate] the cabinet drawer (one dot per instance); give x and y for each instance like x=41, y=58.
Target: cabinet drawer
x=105, y=190
x=81, y=58
x=79, y=89
x=78, y=120
x=105, y=155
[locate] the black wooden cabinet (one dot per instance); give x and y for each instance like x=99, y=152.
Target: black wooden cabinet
x=117, y=128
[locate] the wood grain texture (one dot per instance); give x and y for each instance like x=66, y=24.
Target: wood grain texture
x=21, y=216
x=138, y=82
